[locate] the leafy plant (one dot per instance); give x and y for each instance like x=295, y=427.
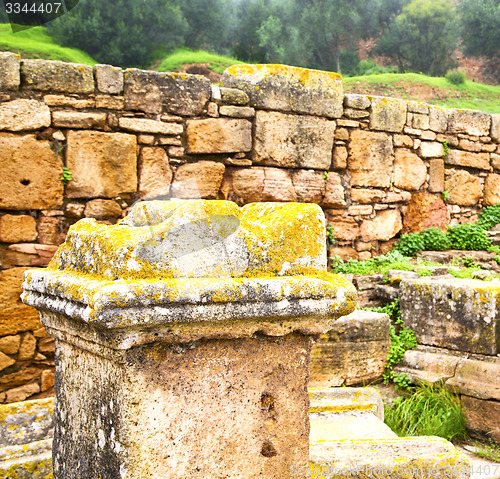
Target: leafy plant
x=380, y=264
x=410, y=244
x=445, y=195
x=446, y=149
x=469, y=237
x=490, y=450
x=434, y=239
x=469, y=262
x=330, y=234
x=489, y=217
x=455, y=77
x=429, y=410
x=66, y=176
x=325, y=176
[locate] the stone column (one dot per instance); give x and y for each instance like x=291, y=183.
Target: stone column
x=183, y=338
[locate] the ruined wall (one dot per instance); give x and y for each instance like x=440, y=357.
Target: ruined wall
x=269, y=133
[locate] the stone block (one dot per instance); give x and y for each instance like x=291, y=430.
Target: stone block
x=15, y=317
x=198, y=180
x=10, y=344
x=27, y=348
x=356, y=114
x=432, y=149
x=344, y=228
x=495, y=127
x=477, y=377
x=482, y=417
x=438, y=119
x=383, y=227
x=418, y=107
x=47, y=380
x=436, y=175
x=334, y=192
x=233, y=96
x=57, y=76
x=340, y=156
x=370, y=158
x=420, y=121
x=358, y=210
x=155, y=174
x=466, y=158
x=354, y=351
x=77, y=119
x=237, y=111
x=310, y=185
x=5, y=361
x=491, y=190
x=403, y=141
x=110, y=102
x=140, y=125
x=388, y=114
x=352, y=100
x=17, y=228
x=31, y=174
x=425, y=210
x=288, y=89
x=468, y=145
x=50, y=231
x=21, y=115
x=410, y=171
x=293, y=141
x=102, y=164
x=62, y=100
x=456, y=314
x=109, y=79
x=102, y=209
x=263, y=184
x=495, y=161
x=218, y=135
x=470, y=122
x=177, y=93
x=364, y=195
x=9, y=71
x=463, y=188
x=22, y=393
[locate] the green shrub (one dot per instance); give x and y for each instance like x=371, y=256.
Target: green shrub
x=380, y=264
x=434, y=240
x=455, y=77
x=489, y=217
x=469, y=237
x=429, y=410
x=410, y=244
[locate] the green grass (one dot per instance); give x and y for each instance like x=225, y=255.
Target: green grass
x=37, y=43
x=429, y=410
x=433, y=90
x=183, y=56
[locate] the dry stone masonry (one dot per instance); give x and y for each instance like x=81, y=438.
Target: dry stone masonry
x=267, y=133
x=183, y=339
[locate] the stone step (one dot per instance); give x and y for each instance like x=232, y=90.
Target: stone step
x=27, y=461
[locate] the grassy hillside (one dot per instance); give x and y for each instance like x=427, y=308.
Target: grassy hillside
x=432, y=90
x=37, y=43
x=184, y=56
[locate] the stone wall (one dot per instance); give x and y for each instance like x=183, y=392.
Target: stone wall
x=268, y=133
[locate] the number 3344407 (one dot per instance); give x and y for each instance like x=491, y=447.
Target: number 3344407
x=47, y=7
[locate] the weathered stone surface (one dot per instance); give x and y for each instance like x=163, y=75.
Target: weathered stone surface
x=465, y=158
x=410, y=171
x=471, y=145
x=478, y=377
x=237, y=111
x=495, y=161
x=62, y=100
x=418, y=107
x=495, y=127
x=293, y=141
x=263, y=184
x=102, y=164
x=471, y=122
x=364, y=195
x=109, y=79
x=463, y=188
x=50, y=231
x=34, y=254
x=110, y=102
x=5, y=361
x=491, y=190
x=177, y=93
x=370, y=158
x=10, y=344
x=9, y=71
x=438, y=119
x=345, y=253
x=30, y=174
x=47, y=380
x=17, y=228
x=309, y=185
x=385, y=226
x=340, y=157
x=334, y=193
x=77, y=119
x=198, y=180
x=20, y=115
x=431, y=149
x=388, y=114
x=27, y=348
x=420, y=121
x=352, y=100
x=354, y=351
x=344, y=228
x=102, y=209
x=357, y=210
x=140, y=125
x=436, y=175
x=425, y=210
x=15, y=317
x=356, y=114
x=482, y=416
x=285, y=88
x=155, y=174
x=219, y=135
x=57, y=76
x=233, y=96
x=403, y=141
x=21, y=393
x=455, y=314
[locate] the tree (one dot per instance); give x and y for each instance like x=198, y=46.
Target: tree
x=480, y=22
x=422, y=38
x=121, y=32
